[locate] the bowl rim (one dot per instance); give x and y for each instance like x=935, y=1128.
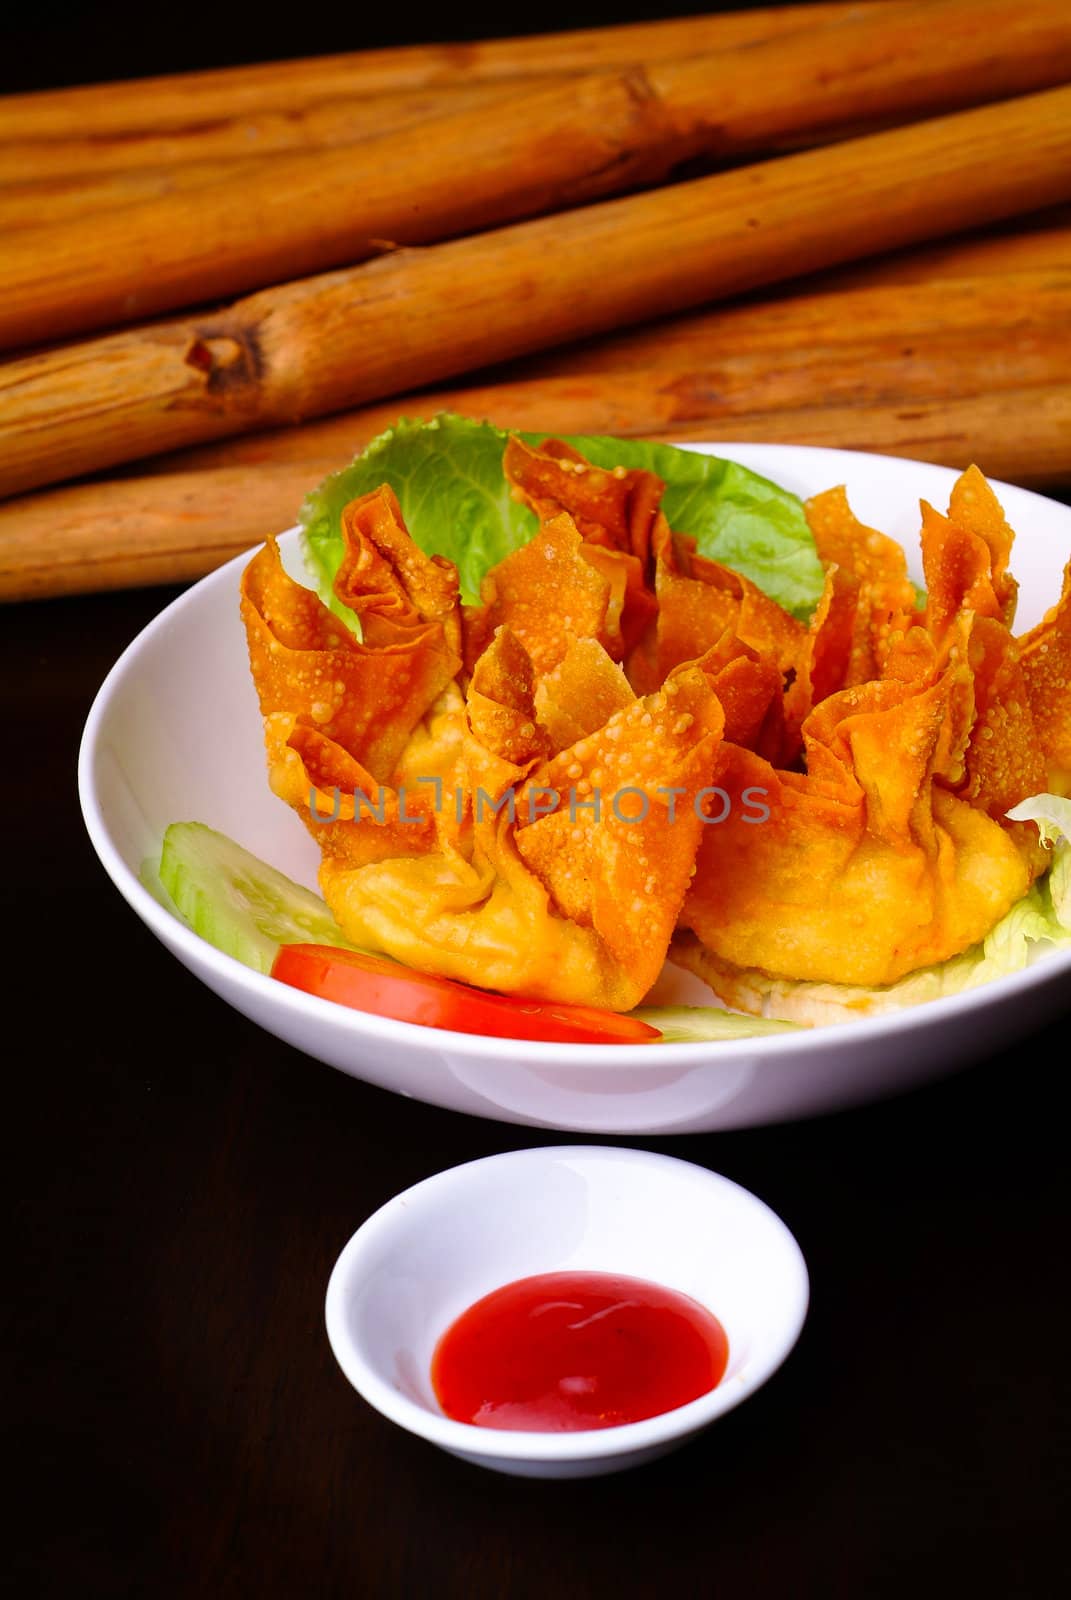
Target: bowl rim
x=582, y=1444
x=261, y=987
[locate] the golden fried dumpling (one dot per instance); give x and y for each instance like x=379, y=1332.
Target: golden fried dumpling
x=534, y=832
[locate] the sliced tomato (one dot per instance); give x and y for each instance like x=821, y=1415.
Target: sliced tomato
x=387, y=989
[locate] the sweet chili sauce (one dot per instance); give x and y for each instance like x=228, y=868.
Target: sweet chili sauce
x=571, y=1350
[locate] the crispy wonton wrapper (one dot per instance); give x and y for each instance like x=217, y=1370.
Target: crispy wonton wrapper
x=891, y=853
x=1045, y=657
x=863, y=869
x=625, y=736
x=534, y=834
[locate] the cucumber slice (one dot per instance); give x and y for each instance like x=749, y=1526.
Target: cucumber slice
x=236, y=901
x=149, y=878
x=694, y=1024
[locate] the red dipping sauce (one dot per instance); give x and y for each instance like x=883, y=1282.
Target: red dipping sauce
x=566, y=1351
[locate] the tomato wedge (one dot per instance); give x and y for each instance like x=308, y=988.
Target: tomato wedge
x=387, y=989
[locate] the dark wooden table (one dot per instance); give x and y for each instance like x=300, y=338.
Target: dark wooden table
x=183, y=1184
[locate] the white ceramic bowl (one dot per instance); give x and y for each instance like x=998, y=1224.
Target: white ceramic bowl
x=429, y=1253
x=175, y=735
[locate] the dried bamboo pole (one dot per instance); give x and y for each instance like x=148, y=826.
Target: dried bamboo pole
x=959, y=336
x=894, y=318
x=63, y=200
x=1044, y=242
x=214, y=144
x=915, y=60
x=169, y=527
x=1028, y=244
x=176, y=101
x=164, y=530
x=987, y=429
x=303, y=212
x=938, y=371
x=596, y=135
x=895, y=62
x=416, y=317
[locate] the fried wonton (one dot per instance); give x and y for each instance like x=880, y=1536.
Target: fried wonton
x=670, y=604
x=872, y=600
x=1045, y=658
x=969, y=608
x=564, y=888
x=614, y=508
x=891, y=851
x=546, y=846
x=546, y=593
x=581, y=693
x=367, y=695
x=863, y=869
x=626, y=738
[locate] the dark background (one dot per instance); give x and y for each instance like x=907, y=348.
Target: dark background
x=182, y=1185
x=52, y=42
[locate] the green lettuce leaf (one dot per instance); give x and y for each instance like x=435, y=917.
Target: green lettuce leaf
x=456, y=502
x=448, y=476
x=1052, y=813
x=736, y=517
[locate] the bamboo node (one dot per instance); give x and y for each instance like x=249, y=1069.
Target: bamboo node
x=229, y=361
x=199, y=356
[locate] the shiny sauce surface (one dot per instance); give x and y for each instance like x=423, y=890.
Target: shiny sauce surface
x=571, y=1350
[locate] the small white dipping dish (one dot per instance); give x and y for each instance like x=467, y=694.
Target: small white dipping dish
x=428, y=1254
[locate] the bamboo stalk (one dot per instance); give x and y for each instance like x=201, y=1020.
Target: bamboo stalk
x=1045, y=243
x=1028, y=244
x=417, y=317
x=176, y=101
x=597, y=135
x=937, y=371
x=987, y=429
x=169, y=527
x=1009, y=305
x=213, y=144
x=131, y=532
x=956, y=337
x=64, y=200
x=979, y=356
x=853, y=71
x=915, y=60
x=304, y=212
